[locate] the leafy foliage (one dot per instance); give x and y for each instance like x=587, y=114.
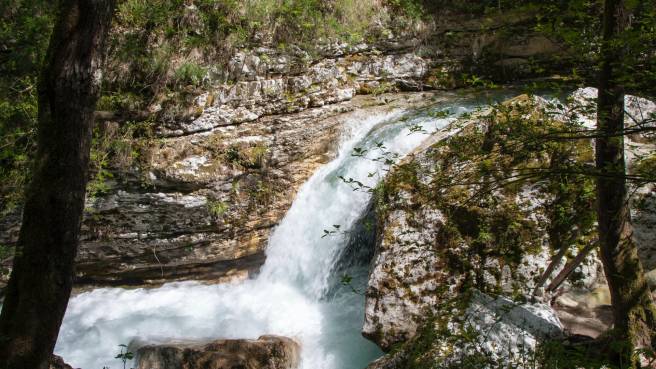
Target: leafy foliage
x=450, y=341
x=166, y=43
x=25, y=27
x=125, y=355
x=217, y=208
x=578, y=25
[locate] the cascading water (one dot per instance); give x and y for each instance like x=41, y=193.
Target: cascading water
x=290, y=295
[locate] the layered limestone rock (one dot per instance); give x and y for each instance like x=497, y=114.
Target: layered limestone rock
x=267, y=80
x=456, y=242
x=201, y=206
x=196, y=196
x=267, y=352
x=199, y=195
x=207, y=202
x=270, y=82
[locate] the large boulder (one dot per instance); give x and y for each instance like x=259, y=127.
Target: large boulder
x=440, y=237
x=464, y=238
x=267, y=352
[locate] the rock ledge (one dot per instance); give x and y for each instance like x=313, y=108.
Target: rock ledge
x=267, y=352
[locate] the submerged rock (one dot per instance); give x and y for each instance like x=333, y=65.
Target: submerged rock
x=267, y=352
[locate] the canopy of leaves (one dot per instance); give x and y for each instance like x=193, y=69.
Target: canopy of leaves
x=25, y=27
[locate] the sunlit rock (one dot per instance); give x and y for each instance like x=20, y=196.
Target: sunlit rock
x=267, y=352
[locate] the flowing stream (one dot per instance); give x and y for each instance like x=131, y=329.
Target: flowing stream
x=296, y=293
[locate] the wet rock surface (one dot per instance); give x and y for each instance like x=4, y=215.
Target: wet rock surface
x=267, y=352
x=430, y=278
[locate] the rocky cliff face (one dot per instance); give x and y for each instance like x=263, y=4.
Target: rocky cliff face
x=197, y=195
x=465, y=237
x=206, y=206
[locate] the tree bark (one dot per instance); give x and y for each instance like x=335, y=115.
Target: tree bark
x=43, y=269
x=633, y=308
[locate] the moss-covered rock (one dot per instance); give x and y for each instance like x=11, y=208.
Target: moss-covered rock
x=479, y=210
x=468, y=225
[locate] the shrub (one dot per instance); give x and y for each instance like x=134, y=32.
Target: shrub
x=190, y=74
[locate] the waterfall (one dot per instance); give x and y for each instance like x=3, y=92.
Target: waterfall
x=290, y=295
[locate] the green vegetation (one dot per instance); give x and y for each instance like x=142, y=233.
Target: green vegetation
x=451, y=341
x=167, y=43
x=578, y=25
x=5, y=252
x=190, y=74
x=116, y=148
x=217, y=208
x=504, y=187
x=159, y=52
x=412, y=8
x=247, y=156
x=378, y=89
x=25, y=27
x=125, y=355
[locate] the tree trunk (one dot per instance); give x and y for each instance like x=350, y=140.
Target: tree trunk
x=43, y=269
x=631, y=299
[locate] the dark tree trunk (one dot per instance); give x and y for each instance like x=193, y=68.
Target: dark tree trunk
x=633, y=308
x=43, y=270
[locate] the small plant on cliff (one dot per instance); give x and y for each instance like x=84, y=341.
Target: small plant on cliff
x=347, y=281
x=114, y=149
x=217, y=208
x=190, y=74
x=411, y=8
x=125, y=355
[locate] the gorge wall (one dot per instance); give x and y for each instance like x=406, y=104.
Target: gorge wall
x=197, y=196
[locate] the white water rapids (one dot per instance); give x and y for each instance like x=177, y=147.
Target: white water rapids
x=290, y=295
